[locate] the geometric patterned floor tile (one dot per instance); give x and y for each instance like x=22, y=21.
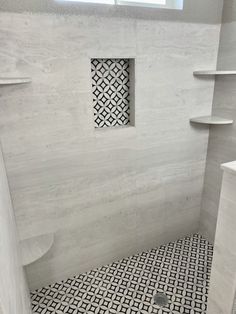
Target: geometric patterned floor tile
x=180, y=269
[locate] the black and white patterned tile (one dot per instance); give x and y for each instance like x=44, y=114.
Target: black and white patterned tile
x=110, y=87
x=180, y=269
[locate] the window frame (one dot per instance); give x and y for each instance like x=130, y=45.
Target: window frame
x=169, y=4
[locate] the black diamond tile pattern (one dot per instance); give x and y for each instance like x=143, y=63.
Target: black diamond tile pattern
x=180, y=269
x=110, y=87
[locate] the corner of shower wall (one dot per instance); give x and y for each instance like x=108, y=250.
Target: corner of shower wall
x=207, y=223
x=211, y=184
x=208, y=205
x=221, y=143
x=14, y=292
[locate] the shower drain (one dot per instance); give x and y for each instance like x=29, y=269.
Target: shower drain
x=160, y=299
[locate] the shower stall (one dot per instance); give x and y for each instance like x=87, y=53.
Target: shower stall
x=115, y=119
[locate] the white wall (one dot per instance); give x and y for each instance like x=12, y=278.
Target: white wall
x=14, y=298
x=106, y=194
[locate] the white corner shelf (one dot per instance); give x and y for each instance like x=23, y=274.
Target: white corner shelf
x=229, y=167
x=211, y=120
x=14, y=80
x=214, y=73
x=34, y=248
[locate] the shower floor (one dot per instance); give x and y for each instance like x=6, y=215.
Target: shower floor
x=180, y=269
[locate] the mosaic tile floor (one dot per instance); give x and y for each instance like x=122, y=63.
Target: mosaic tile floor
x=180, y=269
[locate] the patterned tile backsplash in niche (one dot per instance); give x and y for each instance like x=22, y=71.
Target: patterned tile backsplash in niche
x=111, y=84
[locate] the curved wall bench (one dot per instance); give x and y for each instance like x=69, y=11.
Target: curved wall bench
x=34, y=248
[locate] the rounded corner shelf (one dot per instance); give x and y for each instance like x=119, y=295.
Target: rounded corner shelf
x=213, y=73
x=229, y=167
x=211, y=120
x=36, y=247
x=14, y=80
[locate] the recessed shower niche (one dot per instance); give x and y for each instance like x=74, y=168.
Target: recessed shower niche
x=113, y=92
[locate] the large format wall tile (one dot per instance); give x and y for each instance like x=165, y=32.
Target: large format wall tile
x=222, y=140
x=112, y=192
x=14, y=294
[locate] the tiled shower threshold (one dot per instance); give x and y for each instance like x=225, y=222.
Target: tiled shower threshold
x=180, y=269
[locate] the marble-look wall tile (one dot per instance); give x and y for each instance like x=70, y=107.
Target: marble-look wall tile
x=105, y=193
x=222, y=140
x=14, y=295
x=223, y=274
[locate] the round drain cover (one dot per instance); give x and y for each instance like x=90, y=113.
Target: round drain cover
x=161, y=299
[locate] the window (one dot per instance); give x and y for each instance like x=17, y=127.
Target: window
x=164, y=4
x=93, y=1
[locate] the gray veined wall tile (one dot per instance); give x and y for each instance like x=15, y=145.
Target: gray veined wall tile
x=14, y=294
x=113, y=193
x=222, y=140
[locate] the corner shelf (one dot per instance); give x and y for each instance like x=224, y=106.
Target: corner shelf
x=34, y=248
x=211, y=120
x=207, y=73
x=14, y=80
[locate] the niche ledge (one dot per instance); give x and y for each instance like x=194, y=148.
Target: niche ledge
x=211, y=120
x=34, y=248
